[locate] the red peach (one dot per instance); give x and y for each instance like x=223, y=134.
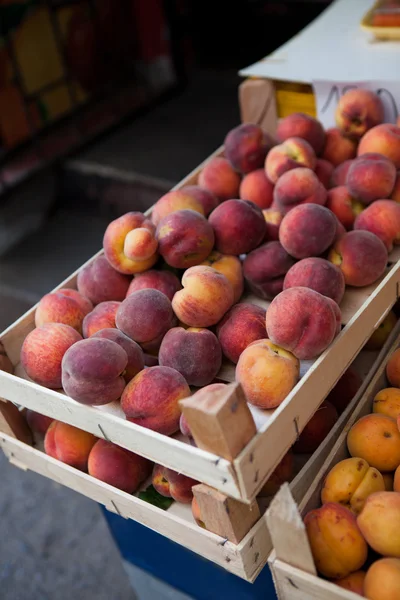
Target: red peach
x=358, y=111
x=173, y=201
x=257, y=188
x=395, y=195
x=302, y=126
x=293, y=152
x=265, y=268
x=282, y=472
x=324, y=171
x=239, y=227
x=273, y=219
x=316, y=429
x=343, y=205
x=64, y=306
x=207, y=199
x=99, y=282
x=173, y=485
x=69, y=444
x=345, y=389
x=339, y=174
x=242, y=325
x=101, y=317
x=317, y=274
x=383, y=139
x=371, y=177
x=163, y=281
x=246, y=147
x=219, y=177
x=296, y=187
x=37, y=422
x=383, y=219
x=132, y=349
x=307, y=230
x=338, y=148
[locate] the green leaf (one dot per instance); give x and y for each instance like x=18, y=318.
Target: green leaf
x=151, y=496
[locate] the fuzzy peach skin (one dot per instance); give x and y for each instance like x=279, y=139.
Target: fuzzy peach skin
x=382, y=332
x=273, y=219
x=338, y=148
x=92, y=371
x=393, y=369
x=307, y=230
x=361, y=256
x=338, y=314
x=376, y=439
x=337, y=546
x=183, y=424
x=267, y=373
x=231, y=267
x=173, y=201
x=383, y=219
x=129, y=243
x=173, y=485
x=151, y=399
x=350, y=482
x=242, y=325
x=185, y=239
x=193, y=352
x=163, y=281
x=219, y=177
x=395, y=195
x=38, y=422
x=257, y=188
x=324, y=171
x=345, y=389
x=64, y=306
x=246, y=147
x=384, y=139
x=379, y=522
x=293, y=152
x=206, y=296
x=282, y=473
x=382, y=580
x=99, y=282
x=302, y=126
x=239, y=227
x=265, y=269
x=69, y=444
x=101, y=317
x=358, y=111
x=353, y=582
x=316, y=429
x=118, y=467
x=132, y=349
x=43, y=350
x=302, y=321
x=371, y=177
x=317, y=274
x=207, y=199
x=145, y=315
x=343, y=205
x=296, y=187
x=339, y=174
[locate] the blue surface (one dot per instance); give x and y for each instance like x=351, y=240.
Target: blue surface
x=181, y=568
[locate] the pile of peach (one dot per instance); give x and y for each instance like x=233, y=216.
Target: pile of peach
x=355, y=535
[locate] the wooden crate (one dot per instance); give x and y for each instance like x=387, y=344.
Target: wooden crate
x=243, y=477
x=291, y=563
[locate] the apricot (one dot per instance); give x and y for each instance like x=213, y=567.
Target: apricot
x=174, y=201
x=316, y=429
x=265, y=268
x=339, y=174
x=393, y=369
x=345, y=389
x=231, y=267
x=317, y=274
x=273, y=219
x=353, y=582
x=283, y=472
x=338, y=148
x=343, y=205
x=383, y=139
x=307, y=230
x=246, y=147
x=324, y=171
x=257, y=188
x=370, y=177
x=69, y=444
x=302, y=126
x=293, y=152
x=382, y=580
x=173, y=485
x=239, y=227
x=132, y=349
x=296, y=187
x=101, y=317
x=358, y=111
x=38, y=422
x=163, y=281
x=219, y=177
x=64, y=306
x=243, y=324
x=379, y=522
x=387, y=402
x=382, y=332
x=383, y=219
x=376, y=439
x=99, y=282
x=207, y=199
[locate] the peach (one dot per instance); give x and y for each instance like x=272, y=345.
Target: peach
x=183, y=424
x=151, y=399
x=239, y=227
x=383, y=219
x=393, y=369
x=193, y=352
x=219, y=177
x=383, y=139
x=231, y=267
x=382, y=581
x=99, y=282
x=353, y=582
x=304, y=127
x=316, y=429
x=267, y=373
x=282, y=473
x=185, y=239
x=317, y=274
x=339, y=174
x=145, y=315
x=173, y=485
x=371, y=177
x=246, y=147
x=343, y=205
x=132, y=349
x=257, y=188
x=101, y=317
x=64, y=306
x=324, y=171
x=38, y=422
x=350, y=482
x=298, y=186
x=395, y=195
x=382, y=332
x=336, y=542
x=376, y=439
x=358, y=111
x=379, y=523
x=338, y=148
x=207, y=199
x=340, y=230
x=173, y=201
x=43, y=350
x=273, y=219
x=307, y=230
x=302, y=321
x=118, y=467
x=265, y=269
x=293, y=152
x=361, y=256
x=92, y=371
x=388, y=480
x=243, y=324
x=129, y=243
x=163, y=281
x=345, y=389
x=337, y=313
x=69, y=444
x=206, y=296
